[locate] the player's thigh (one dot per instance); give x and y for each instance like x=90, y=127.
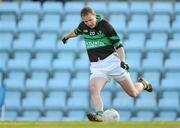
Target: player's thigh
x=97, y=83
x=127, y=84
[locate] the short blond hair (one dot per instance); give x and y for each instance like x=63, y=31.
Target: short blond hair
x=87, y=10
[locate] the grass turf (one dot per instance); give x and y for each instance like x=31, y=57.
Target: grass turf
x=89, y=125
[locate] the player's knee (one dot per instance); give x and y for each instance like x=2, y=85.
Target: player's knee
x=93, y=89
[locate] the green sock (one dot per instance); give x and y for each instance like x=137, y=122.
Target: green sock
x=99, y=113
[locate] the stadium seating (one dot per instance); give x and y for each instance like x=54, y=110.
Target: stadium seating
x=15, y=81
x=99, y=6
x=60, y=81
x=64, y=62
x=175, y=25
x=147, y=64
x=50, y=23
x=158, y=42
x=9, y=7
x=112, y=86
x=162, y=8
x=80, y=81
x=160, y=23
x=10, y=115
x=43, y=45
x=73, y=7
x=51, y=115
x=142, y=104
x=123, y=102
x=2, y=105
x=140, y=7
x=20, y=62
x=82, y=62
x=29, y=7
x=29, y=116
x=1, y=78
x=54, y=103
x=130, y=59
x=24, y=42
x=35, y=97
x=51, y=7
x=143, y=116
x=170, y=63
x=7, y=38
x=118, y=7
x=177, y=8
x=42, y=62
x=13, y=101
x=154, y=79
x=3, y=63
x=173, y=45
x=169, y=102
x=8, y=26
x=76, y=115
x=135, y=42
x=125, y=115
x=71, y=46
x=37, y=81
x=76, y=103
x=166, y=116
x=134, y=26
x=46, y=80
x=28, y=23
x=107, y=96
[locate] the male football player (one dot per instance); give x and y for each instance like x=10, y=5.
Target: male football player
x=107, y=59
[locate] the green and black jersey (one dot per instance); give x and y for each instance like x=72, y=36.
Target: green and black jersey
x=101, y=41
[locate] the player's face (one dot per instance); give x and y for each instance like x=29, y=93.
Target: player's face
x=90, y=20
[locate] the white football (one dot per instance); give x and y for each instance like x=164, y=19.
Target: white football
x=111, y=115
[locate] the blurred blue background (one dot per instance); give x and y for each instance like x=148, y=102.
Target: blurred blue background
x=48, y=81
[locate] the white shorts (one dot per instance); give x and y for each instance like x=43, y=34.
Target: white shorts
x=108, y=68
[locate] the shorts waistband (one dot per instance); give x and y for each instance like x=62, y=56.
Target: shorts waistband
x=105, y=59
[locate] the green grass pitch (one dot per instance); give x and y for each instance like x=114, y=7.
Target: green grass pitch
x=89, y=125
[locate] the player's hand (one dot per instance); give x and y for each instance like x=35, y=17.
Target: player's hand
x=64, y=40
x=124, y=65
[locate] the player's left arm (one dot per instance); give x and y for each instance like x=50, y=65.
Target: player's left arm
x=122, y=57
x=116, y=42
x=72, y=34
x=121, y=53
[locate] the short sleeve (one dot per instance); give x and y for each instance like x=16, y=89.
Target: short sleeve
x=113, y=36
x=78, y=30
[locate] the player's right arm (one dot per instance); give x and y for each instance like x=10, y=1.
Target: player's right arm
x=73, y=34
x=68, y=36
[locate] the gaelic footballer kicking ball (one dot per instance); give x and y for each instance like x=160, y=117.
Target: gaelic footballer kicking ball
x=111, y=115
